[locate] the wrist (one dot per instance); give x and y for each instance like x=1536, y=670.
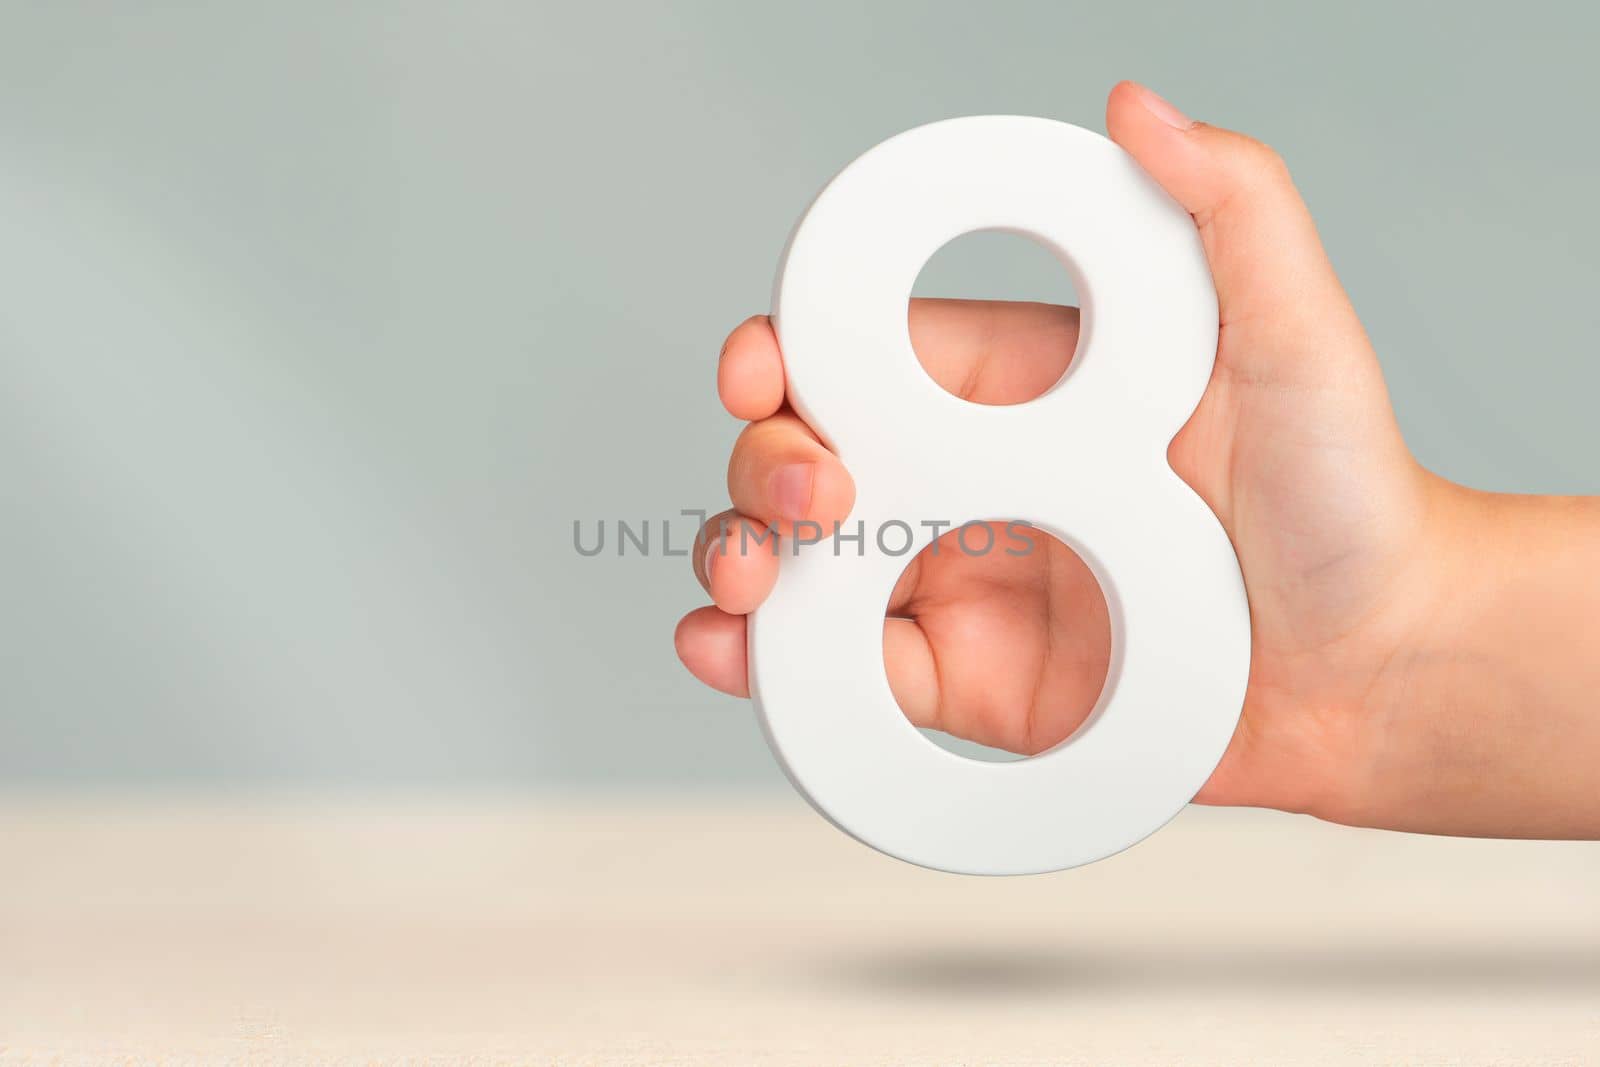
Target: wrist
x=1478, y=721
x=1392, y=661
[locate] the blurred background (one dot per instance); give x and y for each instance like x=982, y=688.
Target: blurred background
x=321, y=326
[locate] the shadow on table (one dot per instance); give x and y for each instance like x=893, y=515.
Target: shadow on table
x=934, y=970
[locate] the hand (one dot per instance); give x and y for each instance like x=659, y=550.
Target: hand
x=1353, y=555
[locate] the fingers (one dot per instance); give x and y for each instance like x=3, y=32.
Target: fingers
x=750, y=370
x=1265, y=255
x=736, y=560
x=908, y=660
x=711, y=643
x=993, y=351
x=781, y=474
x=987, y=351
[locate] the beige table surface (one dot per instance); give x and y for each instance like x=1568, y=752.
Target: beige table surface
x=732, y=930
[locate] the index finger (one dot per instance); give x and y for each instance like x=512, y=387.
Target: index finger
x=988, y=351
x=750, y=370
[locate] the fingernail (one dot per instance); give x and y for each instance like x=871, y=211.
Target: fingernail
x=1163, y=110
x=791, y=490
x=713, y=550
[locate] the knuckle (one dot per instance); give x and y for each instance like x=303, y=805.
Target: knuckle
x=1253, y=162
x=1266, y=163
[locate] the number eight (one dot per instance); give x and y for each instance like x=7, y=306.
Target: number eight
x=1180, y=624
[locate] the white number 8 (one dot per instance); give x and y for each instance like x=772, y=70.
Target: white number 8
x=1179, y=619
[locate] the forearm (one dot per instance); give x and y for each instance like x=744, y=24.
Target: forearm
x=1487, y=720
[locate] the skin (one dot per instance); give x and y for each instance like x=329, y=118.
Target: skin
x=1424, y=656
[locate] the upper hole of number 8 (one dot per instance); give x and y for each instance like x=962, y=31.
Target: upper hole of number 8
x=994, y=318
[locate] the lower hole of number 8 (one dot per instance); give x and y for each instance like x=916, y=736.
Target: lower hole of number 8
x=997, y=647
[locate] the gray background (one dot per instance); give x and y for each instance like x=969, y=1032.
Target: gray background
x=320, y=324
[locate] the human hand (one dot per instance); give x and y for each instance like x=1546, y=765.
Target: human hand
x=1351, y=552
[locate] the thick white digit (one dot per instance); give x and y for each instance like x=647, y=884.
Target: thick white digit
x=1180, y=622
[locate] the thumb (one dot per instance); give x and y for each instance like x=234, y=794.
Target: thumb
x=1266, y=259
